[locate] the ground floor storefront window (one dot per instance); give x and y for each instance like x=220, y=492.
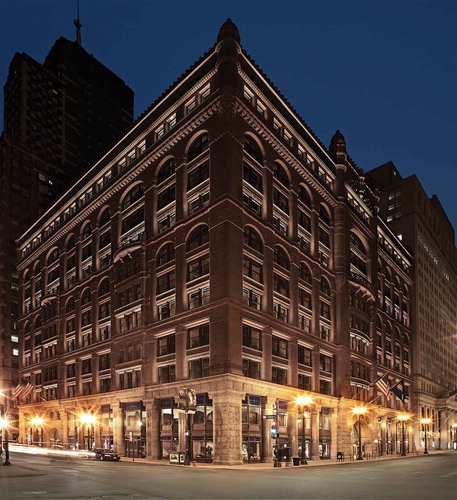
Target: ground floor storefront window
x=251, y=421
x=135, y=430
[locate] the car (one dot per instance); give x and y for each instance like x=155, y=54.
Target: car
x=102, y=454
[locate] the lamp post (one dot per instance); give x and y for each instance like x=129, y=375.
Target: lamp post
x=37, y=422
x=359, y=411
x=88, y=420
x=425, y=422
x=403, y=418
x=302, y=401
x=4, y=427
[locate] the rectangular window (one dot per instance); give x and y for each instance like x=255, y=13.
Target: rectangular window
x=325, y=387
x=304, y=355
x=252, y=177
x=199, y=368
x=281, y=285
x=105, y=385
x=252, y=337
x=166, y=197
x=280, y=312
x=278, y=375
x=304, y=382
x=252, y=204
x=304, y=298
x=199, y=203
x=304, y=220
x=325, y=363
x=279, y=347
x=252, y=269
x=166, y=374
x=198, y=268
x=198, y=336
x=198, y=298
x=165, y=282
x=166, y=310
x=197, y=175
x=252, y=299
x=324, y=309
x=166, y=345
x=251, y=369
x=280, y=201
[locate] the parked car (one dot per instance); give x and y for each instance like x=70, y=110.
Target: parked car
x=101, y=454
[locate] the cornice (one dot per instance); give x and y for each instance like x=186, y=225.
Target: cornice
x=99, y=201
x=285, y=154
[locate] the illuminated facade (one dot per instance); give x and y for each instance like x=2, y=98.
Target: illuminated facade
x=219, y=246
x=423, y=226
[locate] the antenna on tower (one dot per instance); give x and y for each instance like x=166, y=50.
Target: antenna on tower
x=77, y=24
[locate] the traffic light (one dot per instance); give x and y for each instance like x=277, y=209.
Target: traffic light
x=274, y=429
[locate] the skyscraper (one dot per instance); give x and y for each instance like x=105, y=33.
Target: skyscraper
x=421, y=223
x=59, y=117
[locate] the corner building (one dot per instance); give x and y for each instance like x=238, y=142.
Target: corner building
x=219, y=246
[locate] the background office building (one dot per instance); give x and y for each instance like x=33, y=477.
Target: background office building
x=59, y=118
x=421, y=223
x=220, y=247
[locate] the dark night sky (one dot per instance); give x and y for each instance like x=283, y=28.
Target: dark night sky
x=384, y=73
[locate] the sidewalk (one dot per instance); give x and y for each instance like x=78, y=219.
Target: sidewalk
x=269, y=466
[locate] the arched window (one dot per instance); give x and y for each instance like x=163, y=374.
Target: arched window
x=357, y=242
x=26, y=328
x=166, y=254
x=198, y=237
x=252, y=148
x=70, y=306
x=132, y=196
x=252, y=239
x=303, y=196
x=324, y=215
x=325, y=286
x=281, y=258
x=105, y=217
x=405, y=291
x=405, y=339
x=71, y=242
x=54, y=256
x=388, y=275
x=87, y=231
x=280, y=174
x=37, y=323
x=85, y=297
x=200, y=145
x=166, y=170
x=305, y=273
x=104, y=287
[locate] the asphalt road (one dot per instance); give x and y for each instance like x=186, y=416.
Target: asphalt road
x=31, y=477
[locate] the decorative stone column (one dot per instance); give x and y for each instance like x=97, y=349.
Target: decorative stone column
x=292, y=428
x=227, y=427
x=315, y=433
x=118, y=429
x=267, y=445
x=152, y=431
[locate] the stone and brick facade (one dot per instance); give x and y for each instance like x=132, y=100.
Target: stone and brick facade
x=220, y=247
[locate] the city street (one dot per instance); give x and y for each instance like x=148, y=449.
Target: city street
x=433, y=476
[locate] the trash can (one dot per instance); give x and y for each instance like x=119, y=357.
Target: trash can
x=296, y=460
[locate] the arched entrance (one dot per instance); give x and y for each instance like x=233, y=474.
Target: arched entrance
x=365, y=440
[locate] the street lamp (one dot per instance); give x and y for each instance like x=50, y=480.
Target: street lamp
x=359, y=411
x=403, y=418
x=302, y=401
x=4, y=427
x=88, y=420
x=425, y=422
x=38, y=422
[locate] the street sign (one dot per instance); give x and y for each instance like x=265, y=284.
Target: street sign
x=282, y=413
x=269, y=416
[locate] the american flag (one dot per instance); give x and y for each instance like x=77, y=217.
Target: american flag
x=22, y=391
x=383, y=385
